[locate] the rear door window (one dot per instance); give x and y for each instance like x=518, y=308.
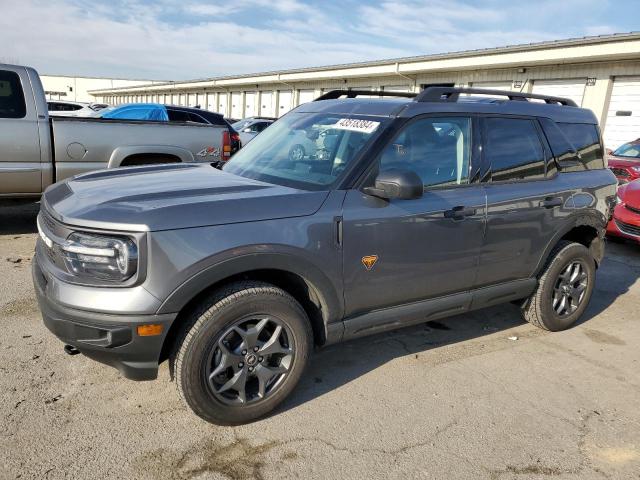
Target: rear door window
x=513, y=149
x=12, y=104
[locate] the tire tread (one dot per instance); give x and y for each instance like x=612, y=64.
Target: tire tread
x=206, y=311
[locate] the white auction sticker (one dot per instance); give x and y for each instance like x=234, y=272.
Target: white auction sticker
x=356, y=125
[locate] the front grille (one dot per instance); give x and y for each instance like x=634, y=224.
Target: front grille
x=54, y=230
x=620, y=172
x=47, y=221
x=633, y=209
x=628, y=228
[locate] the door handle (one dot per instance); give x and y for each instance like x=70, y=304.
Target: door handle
x=551, y=202
x=459, y=212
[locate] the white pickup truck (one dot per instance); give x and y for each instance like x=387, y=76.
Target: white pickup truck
x=37, y=150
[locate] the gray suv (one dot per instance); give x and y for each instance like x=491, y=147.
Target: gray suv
x=409, y=208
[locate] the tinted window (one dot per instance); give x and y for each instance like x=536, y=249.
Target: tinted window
x=584, y=137
x=213, y=118
x=178, y=116
x=437, y=149
x=63, y=107
x=513, y=149
x=630, y=150
x=11, y=96
x=196, y=118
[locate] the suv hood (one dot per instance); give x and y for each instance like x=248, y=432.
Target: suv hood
x=165, y=197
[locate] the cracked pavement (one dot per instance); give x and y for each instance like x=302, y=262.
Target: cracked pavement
x=455, y=398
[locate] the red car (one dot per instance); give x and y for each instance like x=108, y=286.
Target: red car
x=626, y=216
x=624, y=162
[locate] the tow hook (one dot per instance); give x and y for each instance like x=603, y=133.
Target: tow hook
x=71, y=350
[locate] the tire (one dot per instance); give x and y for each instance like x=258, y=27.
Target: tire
x=297, y=153
x=544, y=308
x=214, y=340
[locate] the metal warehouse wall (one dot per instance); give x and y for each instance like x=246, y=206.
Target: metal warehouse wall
x=598, y=79
x=77, y=89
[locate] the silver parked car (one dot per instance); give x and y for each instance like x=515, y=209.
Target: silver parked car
x=64, y=108
x=37, y=150
x=250, y=127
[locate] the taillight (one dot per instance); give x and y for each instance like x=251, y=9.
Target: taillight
x=226, y=145
x=230, y=144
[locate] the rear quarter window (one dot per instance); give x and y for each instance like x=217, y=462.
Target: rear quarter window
x=585, y=139
x=12, y=104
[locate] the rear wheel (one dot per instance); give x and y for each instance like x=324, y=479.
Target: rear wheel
x=564, y=289
x=244, y=352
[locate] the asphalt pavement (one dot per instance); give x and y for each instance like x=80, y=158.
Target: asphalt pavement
x=478, y=396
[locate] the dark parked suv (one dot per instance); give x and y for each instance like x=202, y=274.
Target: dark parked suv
x=402, y=210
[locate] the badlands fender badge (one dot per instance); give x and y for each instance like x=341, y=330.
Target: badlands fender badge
x=369, y=261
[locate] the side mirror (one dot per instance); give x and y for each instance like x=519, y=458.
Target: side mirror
x=608, y=151
x=397, y=183
x=247, y=130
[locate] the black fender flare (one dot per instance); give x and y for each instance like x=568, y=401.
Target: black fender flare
x=234, y=263
x=588, y=219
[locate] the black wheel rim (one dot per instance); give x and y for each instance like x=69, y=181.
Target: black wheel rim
x=250, y=360
x=570, y=289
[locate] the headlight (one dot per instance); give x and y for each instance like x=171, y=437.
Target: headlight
x=636, y=168
x=102, y=257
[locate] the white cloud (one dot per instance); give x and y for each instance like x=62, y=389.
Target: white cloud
x=168, y=39
x=74, y=38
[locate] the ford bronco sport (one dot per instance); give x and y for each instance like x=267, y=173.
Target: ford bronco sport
x=403, y=209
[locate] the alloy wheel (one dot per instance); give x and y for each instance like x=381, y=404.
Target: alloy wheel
x=250, y=360
x=570, y=289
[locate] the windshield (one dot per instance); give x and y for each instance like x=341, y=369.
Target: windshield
x=305, y=150
x=241, y=125
x=631, y=150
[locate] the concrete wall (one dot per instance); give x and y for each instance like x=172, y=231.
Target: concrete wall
x=77, y=88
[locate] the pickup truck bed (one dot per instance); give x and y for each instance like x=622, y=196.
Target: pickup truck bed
x=37, y=150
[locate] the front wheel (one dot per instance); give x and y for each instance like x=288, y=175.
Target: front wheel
x=564, y=289
x=244, y=353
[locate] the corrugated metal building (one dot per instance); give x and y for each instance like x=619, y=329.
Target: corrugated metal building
x=76, y=89
x=601, y=73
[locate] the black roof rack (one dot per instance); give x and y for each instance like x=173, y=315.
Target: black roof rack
x=334, y=94
x=451, y=94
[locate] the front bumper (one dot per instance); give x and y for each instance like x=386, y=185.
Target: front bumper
x=623, y=216
x=111, y=339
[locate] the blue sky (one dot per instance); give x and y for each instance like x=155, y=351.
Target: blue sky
x=202, y=38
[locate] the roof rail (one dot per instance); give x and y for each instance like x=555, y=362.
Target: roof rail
x=451, y=94
x=333, y=94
